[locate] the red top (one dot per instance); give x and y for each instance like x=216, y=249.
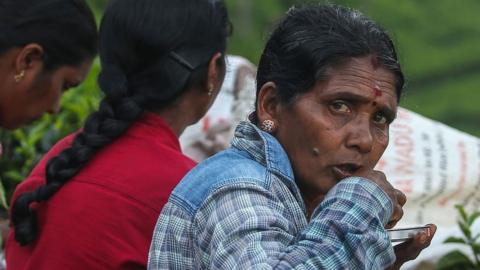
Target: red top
x=104, y=217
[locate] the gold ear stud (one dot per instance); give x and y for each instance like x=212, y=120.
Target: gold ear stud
x=210, y=90
x=19, y=76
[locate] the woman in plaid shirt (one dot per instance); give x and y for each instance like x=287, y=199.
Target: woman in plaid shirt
x=298, y=189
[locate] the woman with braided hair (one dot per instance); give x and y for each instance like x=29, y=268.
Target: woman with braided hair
x=93, y=201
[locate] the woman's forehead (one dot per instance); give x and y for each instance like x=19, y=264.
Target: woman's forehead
x=362, y=75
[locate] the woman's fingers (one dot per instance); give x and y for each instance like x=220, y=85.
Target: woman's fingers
x=410, y=250
x=401, y=197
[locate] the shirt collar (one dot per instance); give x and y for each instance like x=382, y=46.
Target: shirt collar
x=264, y=148
x=152, y=125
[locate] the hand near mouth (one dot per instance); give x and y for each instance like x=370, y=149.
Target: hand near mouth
x=397, y=197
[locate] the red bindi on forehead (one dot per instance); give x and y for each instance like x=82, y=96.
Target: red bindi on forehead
x=377, y=91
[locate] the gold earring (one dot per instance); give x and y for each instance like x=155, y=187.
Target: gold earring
x=268, y=126
x=19, y=76
x=210, y=90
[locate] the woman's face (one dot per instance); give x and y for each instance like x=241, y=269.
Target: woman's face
x=39, y=92
x=339, y=127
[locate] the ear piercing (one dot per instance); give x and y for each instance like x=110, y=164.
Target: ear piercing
x=210, y=90
x=18, y=77
x=316, y=152
x=268, y=126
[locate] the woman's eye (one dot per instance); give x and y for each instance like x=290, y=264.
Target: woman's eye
x=380, y=119
x=340, y=106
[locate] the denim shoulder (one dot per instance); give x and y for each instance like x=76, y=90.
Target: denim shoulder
x=225, y=168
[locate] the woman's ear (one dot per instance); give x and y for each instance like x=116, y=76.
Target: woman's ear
x=268, y=104
x=216, y=73
x=30, y=57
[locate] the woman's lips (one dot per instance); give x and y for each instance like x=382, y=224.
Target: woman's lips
x=343, y=171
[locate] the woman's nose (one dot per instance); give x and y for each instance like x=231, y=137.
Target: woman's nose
x=360, y=135
x=55, y=108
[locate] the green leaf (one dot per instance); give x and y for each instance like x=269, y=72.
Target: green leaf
x=475, y=247
x=462, y=212
x=455, y=240
x=3, y=198
x=455, y=260
x=14, y=175
x=465, y=229
x=476, y=237
x=472, y=218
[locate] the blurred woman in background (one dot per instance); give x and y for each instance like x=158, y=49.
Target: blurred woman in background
x=93, y=200
x=46, y=48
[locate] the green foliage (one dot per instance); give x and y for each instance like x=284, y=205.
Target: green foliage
x=97, y=6
x=456, y=259
x=252, y=22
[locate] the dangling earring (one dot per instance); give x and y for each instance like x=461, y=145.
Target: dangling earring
x=210, y=90
x=268, y=126
x=19, y=76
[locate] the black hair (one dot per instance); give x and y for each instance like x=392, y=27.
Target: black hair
x=151, y=52
x=313, y=38
x=65, y=29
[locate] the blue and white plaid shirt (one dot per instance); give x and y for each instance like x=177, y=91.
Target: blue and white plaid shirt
x=241, y=209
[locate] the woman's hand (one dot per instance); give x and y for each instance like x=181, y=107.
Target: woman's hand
x=398, y=198
x=410, y=249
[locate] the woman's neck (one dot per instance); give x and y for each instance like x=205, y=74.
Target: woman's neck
x=178, y=120
x=312, y=198
x=183, y=112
